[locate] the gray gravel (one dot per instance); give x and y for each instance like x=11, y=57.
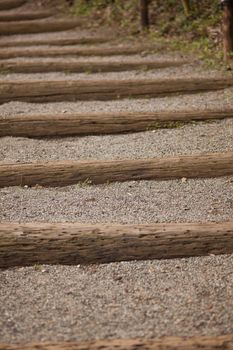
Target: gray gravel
x=66, y=34
x=120, y=300
x=165, y=73
x=217, y=100
x=118, y=58
x=129, y=202
x=72, y=35
x=189, y=139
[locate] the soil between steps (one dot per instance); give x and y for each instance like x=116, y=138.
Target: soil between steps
x=67, y=34
x=120, y=300
x=137, y=299
x=215, y=100
x=187, y=71
x=105, y=59
x=130, y=202
x=200, y=138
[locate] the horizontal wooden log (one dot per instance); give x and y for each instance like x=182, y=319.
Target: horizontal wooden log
x=39, y=66
x=223, y=342
x=23, y=16
x=99, y=123
x=75, y=243
x=73, y=51
x=62, y=173
x=38, y=26
x=9, y=4
x=72, y=90
x=53, y=42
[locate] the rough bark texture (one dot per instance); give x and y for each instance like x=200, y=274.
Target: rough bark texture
x=23, y=16
x=99, y=123
x=53, y=42
x=66, y=243
x=228, y=28
x=62, y=173
x=144, y=10
x=9, y=4
x=186, y=6
x=82, y=67
x=76, y=51
x=224, y=342
x=37, y=26
x=65, y=90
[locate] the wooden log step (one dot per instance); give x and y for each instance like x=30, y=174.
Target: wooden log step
x=38, y=26
x=9, y=4
x=54, y=42
x=99, y=123
x=23, y=16
x=82, y=67
x=63, y=173
x=73, y=90
x=76, y=243
x=73, y=51
x=223, y=342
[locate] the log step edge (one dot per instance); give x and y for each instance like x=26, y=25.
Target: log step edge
x=63, y=173
x=101, y=123
x=77, y=243
x=223, y=342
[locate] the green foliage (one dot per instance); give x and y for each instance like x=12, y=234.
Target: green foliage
x=122, y=12
x=199, y=33
x=84, y=183
x=85, y=7
x=170, y=124
x=37, y=267
x=169, y=16
x=4, y=71
x=166, y=16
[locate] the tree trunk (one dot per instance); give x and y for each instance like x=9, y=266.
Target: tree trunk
x=227, y=28
x=70, y=2
x=187, y=7
x=144, y=8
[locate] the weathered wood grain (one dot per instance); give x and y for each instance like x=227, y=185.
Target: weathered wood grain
x=23, y=16
x=72, y=90
x=75, y=243
x=38, y=26
x=9, y=4
x=73, y=51
x=83, y=66
x=53, y=42
x=100, y=123
x=223, y=342
x=62, y=173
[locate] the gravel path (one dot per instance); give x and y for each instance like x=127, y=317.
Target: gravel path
x=120, y=300
x=67, y=34
x=190, y=139
x=215, y=100
x=182, y=297
x=118, y=58
x=186, y=72
x=129, y=202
